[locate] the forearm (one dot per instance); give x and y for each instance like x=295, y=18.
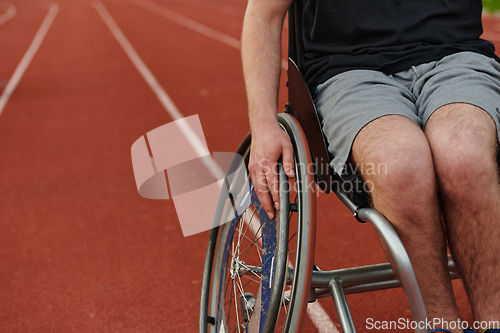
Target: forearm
x=261, y=57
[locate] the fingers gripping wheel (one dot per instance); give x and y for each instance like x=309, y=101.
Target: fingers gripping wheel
x=258, y=271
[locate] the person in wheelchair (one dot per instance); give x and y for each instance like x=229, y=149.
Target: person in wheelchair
x=405, y=84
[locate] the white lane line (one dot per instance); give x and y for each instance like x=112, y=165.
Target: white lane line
x=10, y=13
x=163, y=97
x=215, y=6
x=195, y=26
x=28, y=56
x=320, y=318
x=188, y=23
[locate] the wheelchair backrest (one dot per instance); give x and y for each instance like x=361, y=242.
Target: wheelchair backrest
x=301, y=106
x=300, y=102
x=295, y=43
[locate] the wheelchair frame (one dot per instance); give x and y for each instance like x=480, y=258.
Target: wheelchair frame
x=300, y=121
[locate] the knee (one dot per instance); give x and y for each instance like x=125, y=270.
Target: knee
x=463, y=172
x=464, y=146
x=405, y=179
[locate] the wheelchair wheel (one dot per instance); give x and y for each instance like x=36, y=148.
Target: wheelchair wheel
x=258, y=271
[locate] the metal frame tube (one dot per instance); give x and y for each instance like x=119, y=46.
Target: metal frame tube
x=401, y=260
x=345, y=318
x=353, y=276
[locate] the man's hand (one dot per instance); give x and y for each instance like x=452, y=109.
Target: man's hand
x=269, y=143
x=261, y=59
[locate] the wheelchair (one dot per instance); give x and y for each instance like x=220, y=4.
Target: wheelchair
x=259, y=274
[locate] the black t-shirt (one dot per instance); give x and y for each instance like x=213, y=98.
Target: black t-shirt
x=386, y=35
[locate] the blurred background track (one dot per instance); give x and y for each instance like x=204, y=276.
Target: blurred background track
x=80, y=250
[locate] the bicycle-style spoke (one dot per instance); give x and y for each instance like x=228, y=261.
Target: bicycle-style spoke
x=249, y=270
x=253, y=241
x=250, y=280
x=247, y=249
x=237, y=270
x=283, y=303
x=242, y=292
x=236, y=306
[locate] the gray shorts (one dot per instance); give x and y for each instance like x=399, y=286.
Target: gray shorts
x=350, y=100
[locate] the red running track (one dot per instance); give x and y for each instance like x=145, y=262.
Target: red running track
x=80, y=250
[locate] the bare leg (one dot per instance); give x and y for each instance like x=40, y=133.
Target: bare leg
x=463, y=140
x=407, y=195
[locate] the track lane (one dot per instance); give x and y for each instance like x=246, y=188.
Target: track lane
x=212, y=6
x=28, y=56
x=10, y=12
x=491, y=24
x=80, y=251
x=202, y=75
x=16, y=35
x=205, y=13
x=219, y=64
